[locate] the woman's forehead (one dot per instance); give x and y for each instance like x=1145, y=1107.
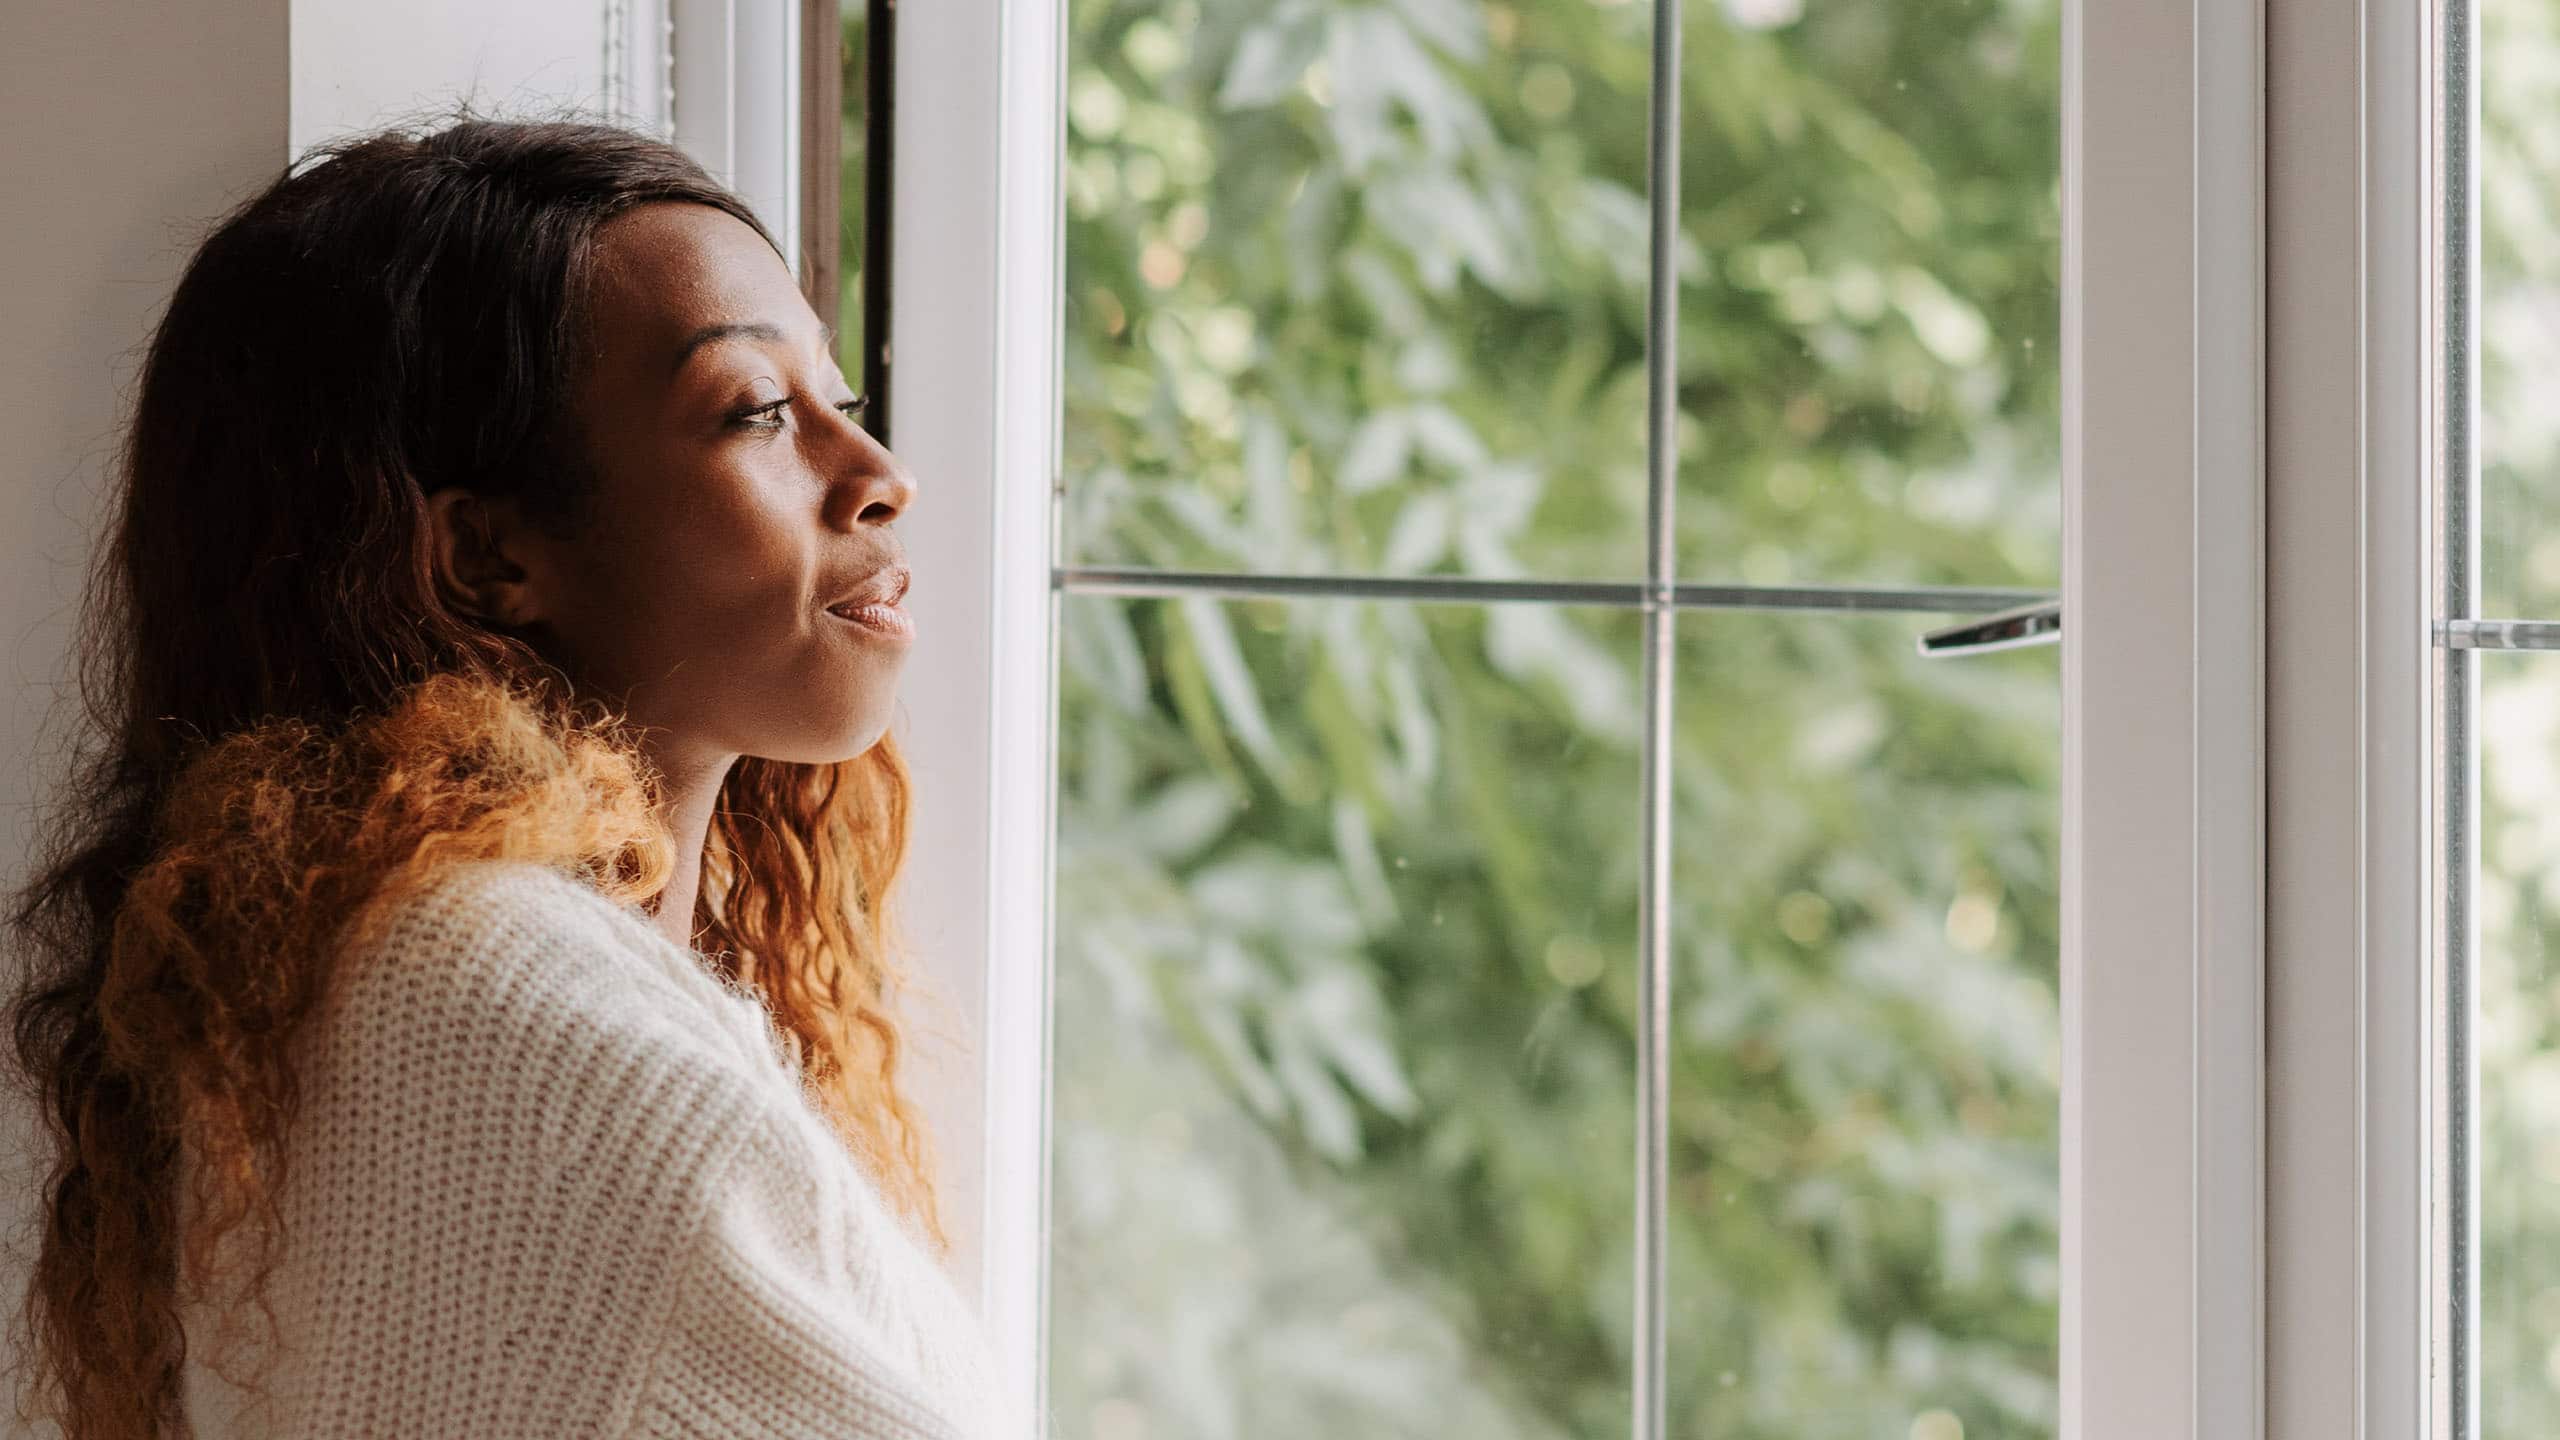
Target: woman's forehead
x=663, y=272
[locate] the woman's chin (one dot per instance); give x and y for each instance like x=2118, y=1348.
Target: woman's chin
x=835, y=745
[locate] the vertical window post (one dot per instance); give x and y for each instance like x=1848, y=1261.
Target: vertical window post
x=2162, y=865
x=2347, y=725
x=975, y=226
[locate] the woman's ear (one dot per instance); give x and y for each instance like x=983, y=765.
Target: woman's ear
x=478, y=551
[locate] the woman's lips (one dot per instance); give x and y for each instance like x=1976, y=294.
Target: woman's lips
x=875, y=605
x=885, y=618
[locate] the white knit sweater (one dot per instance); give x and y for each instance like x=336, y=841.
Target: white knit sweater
x=552, y=1178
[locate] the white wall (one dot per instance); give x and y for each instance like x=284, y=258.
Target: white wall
x=129, y=127
x=128, y=124
x=361, y=64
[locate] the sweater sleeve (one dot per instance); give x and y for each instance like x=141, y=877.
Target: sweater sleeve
x=782, y=1325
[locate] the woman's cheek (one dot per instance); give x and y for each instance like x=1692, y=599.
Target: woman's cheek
x=726, y=567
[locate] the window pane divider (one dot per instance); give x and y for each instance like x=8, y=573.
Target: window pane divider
x=1486, y=590
x=1653, y=884
x=2498, y=634
x=2453, y=575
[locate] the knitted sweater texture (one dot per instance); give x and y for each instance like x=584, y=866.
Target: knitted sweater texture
x=552, y=1177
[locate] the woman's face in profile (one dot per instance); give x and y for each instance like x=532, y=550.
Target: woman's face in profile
x=734, y=580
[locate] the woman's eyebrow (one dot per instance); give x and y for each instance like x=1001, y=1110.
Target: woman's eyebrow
x=744, y=330
x=725, y=330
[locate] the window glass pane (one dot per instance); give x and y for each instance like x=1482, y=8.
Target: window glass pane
x=2514, y=1013
x=1357, y=288
x=1871, y=292
x=2515, y=1037
x=1344, y=1044
x=1864, y=1161
x=2519, y=297
x=1346, y=994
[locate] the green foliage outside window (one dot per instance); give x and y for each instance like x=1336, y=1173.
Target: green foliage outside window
x=2515, y=1027
x=1345, y=1027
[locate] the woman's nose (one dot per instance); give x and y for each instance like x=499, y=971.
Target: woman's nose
x=871, y=487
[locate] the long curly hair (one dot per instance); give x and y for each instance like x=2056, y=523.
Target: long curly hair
x=287, y=728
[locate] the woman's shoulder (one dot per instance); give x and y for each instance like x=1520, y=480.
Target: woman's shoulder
x=507, y=1018
x=499, y=958
x=480, y=909
x=511, y=1107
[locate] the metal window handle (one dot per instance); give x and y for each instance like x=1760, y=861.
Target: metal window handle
x=2036, y=624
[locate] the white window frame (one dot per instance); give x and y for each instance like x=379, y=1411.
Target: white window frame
x=2234, y=901
x=976, y=231
x=2163, y=845
x=2356, y=1340
x=721, y=79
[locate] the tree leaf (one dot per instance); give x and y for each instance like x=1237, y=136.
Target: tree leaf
x=1381, y=448
x=1230, y=679
x=1420, y=537
x=1269, y=62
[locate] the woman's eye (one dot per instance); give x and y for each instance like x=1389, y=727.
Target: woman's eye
x=764, y=417
x=768, y=416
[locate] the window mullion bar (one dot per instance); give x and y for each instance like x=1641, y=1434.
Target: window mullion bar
x=1442, y=589
x=1653, y=896
x=1921, y=600
x=2455, y=553
x=1653, y=1056
x=1485, y=590
x=2498, y=634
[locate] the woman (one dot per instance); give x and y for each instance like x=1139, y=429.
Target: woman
x=459, y=992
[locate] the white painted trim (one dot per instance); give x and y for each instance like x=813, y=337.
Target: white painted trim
x=764, y=116
x=975, y=287
x=733, y=100
x=1024, y=548
x=639, y=66
x=2395, y=908
x=2228, y=636
x=2162, y=897
x=2348, y=729
x=702, y=41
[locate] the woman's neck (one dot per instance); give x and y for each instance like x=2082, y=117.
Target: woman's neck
x=688, y=792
